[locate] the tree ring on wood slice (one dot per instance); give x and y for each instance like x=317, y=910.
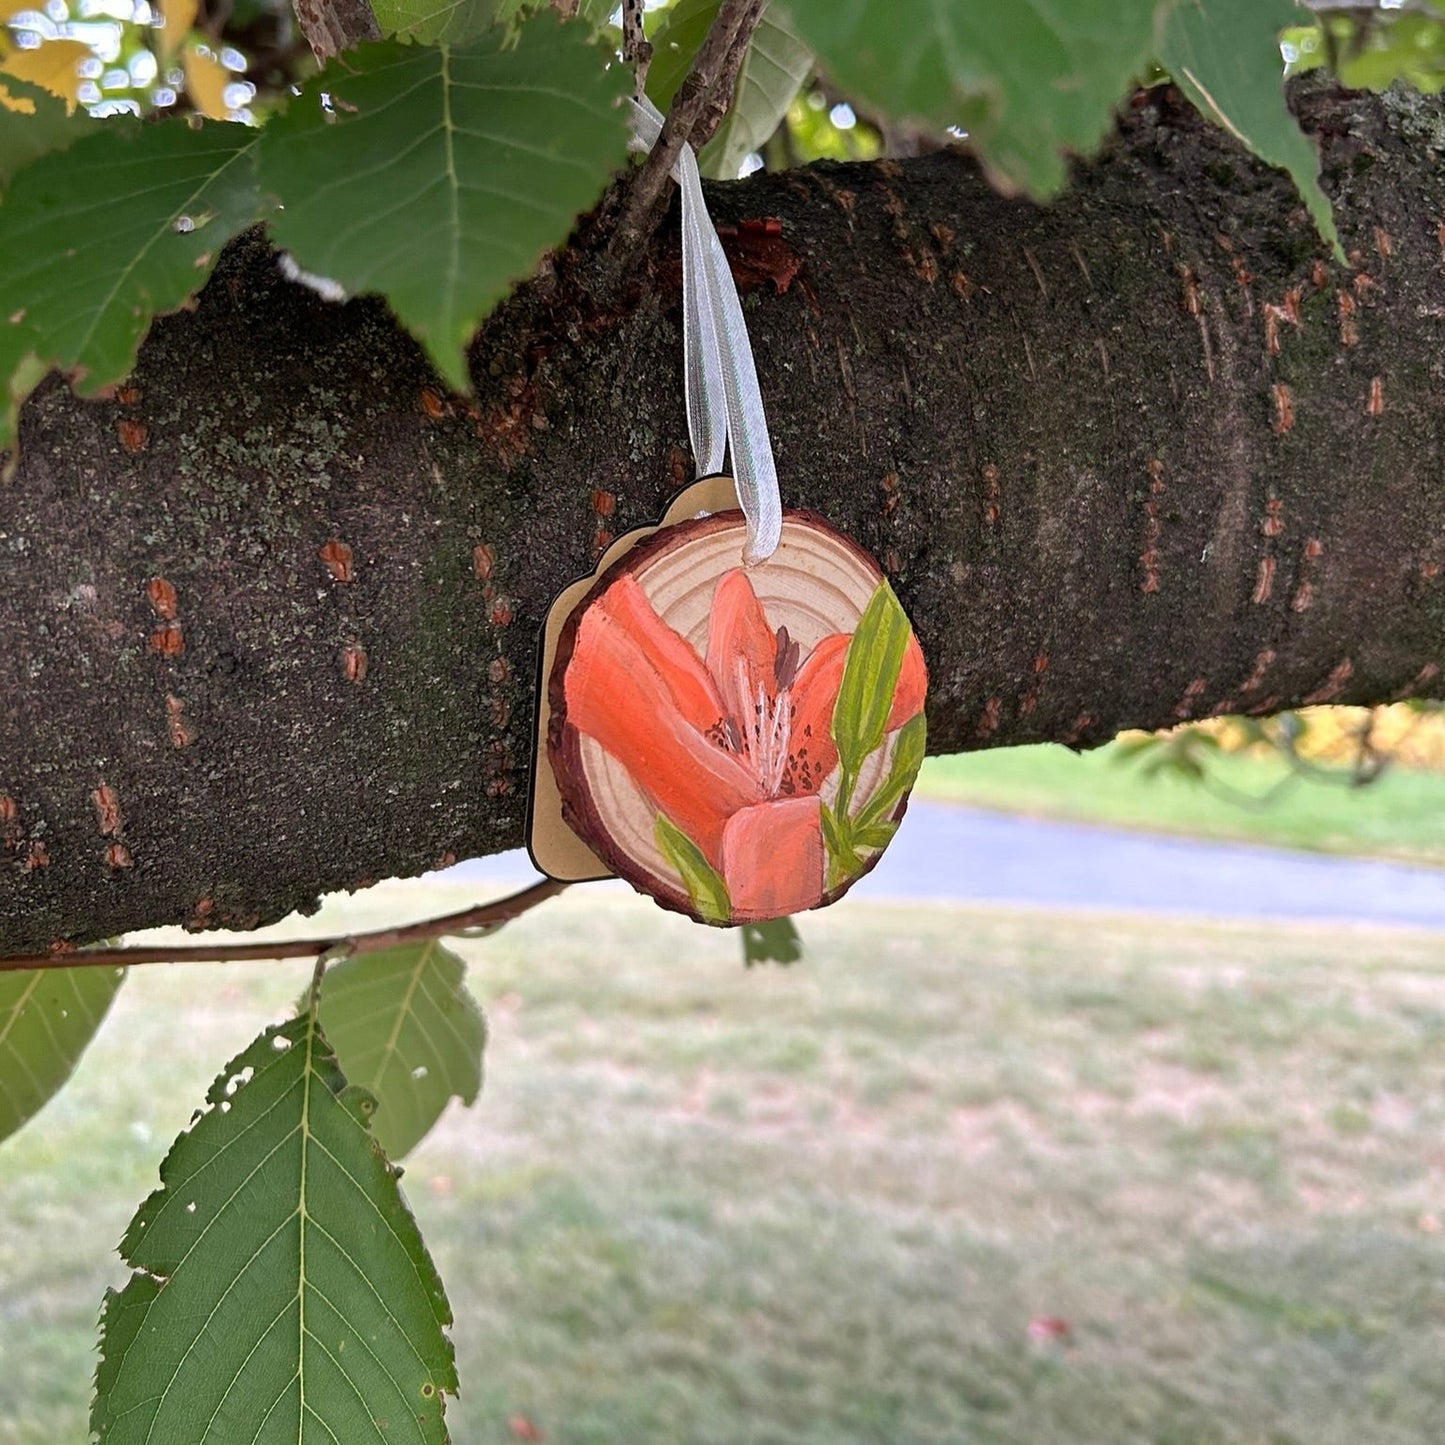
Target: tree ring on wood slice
x=739, y=742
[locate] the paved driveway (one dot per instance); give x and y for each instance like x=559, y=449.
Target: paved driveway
x=948, y=852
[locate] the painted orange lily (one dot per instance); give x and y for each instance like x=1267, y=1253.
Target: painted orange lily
x=734, y=747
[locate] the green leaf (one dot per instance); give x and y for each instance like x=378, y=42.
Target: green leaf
x=122, y=226
x=440, y=175
x=1372, y=49
x=431, y=20
x=405, y=1029
x=870, y=678
x=33, y=123
x=47, y=1017
x=1225, y=57
x=775, y=941
x=281, y=1289
x=1029, y=79
x=678, y=33
x=908, y=750
x=21, y=371
x=774, y=66
x=706, y=889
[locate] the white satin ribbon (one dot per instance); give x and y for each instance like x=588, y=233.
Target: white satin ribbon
x=724, y=405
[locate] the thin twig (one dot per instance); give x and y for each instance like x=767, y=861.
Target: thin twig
x=733, y=28
x=636, y=51
x=331, y=26
x=720, y=98
x=493, y=915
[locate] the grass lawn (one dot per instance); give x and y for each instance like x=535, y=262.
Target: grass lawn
x=823, y=1205
x=1401, y=815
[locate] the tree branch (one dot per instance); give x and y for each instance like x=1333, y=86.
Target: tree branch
x=484, y=915
x=331, y=26
x=727, y=38
x=1139, y=456
x=721, y=95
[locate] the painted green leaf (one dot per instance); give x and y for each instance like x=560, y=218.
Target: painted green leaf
x=1030, y=80
x=405, y=1028
x=870, y=678
x=908, y=750
x=281, y=1289
x=706, y=889
x=47, y=1017
x=775, y=941
x=1225, y=56
x=774, y=66
x=439, y=175
x=874, y=836
x=843, y=859
x=120, y=227
x=33, y=122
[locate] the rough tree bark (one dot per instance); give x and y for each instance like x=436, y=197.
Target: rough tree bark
x=269, y=615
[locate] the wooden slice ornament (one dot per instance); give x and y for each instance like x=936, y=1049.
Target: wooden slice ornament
x=737, y=741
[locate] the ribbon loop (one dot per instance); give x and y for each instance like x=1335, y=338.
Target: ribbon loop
x=724, y=403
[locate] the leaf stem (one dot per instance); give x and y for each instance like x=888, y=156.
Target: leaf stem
x=494, y=914
x=313, y=997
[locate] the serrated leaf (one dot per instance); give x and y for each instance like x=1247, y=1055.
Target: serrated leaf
x=405, y=1028
x=282, y=1291
x=33, y=122
x=1030, y=80
x=774, y=66
x=1225, y=57
x=446, y=171
x=705, y=886
x=53, y=64
x=871, y=670
x=206, y=82
x=775, y=941
x=47, y=1017
x=21, y=371
x=432, y=20
x=121, y=227
x=25, y=372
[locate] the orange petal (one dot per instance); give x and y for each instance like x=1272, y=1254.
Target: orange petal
x=616, y=694
x=672, y=657
x=773, y=859
x=742, y=649
x=812, y=752
x=912, y=686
